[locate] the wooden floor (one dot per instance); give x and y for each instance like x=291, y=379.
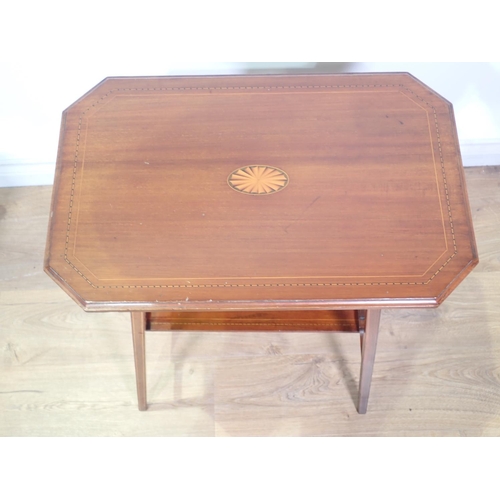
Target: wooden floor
x=64, y=372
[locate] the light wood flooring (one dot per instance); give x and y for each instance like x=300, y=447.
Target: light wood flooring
x=64, y=372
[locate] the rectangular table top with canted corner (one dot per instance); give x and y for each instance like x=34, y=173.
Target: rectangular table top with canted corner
x=270, y=194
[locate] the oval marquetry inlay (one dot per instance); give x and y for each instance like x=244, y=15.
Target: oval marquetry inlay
x=258, y=179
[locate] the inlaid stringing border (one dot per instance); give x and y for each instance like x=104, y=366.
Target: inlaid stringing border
x=249, y=285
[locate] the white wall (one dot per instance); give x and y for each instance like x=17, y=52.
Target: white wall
x=34, y=91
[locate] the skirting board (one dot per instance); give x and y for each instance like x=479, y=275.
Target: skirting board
x=477, y=154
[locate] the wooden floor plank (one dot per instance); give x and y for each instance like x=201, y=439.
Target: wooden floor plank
x=64, y=372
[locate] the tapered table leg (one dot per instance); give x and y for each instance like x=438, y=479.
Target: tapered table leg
x=369, y=346
x=139, y=338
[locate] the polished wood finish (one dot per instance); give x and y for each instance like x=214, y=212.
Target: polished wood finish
x=209, y=201
x=139, y=341
x=281, y=321
x=368, y=349
x=70, y=373
x=374, y=212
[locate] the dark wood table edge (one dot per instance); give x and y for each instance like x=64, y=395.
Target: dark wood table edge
x=260, y=305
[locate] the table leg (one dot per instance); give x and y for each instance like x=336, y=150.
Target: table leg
x=362, y=325
x=369, y=346
x=139, y=338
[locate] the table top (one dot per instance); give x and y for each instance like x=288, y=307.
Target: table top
x=259, y=192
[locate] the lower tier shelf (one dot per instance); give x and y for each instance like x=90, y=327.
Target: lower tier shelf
x=325, y=321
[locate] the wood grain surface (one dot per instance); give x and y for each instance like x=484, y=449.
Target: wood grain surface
x=306, y=321
x=252, y=192
x=65, y=372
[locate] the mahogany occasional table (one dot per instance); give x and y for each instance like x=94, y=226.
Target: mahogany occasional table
x=259, y=203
